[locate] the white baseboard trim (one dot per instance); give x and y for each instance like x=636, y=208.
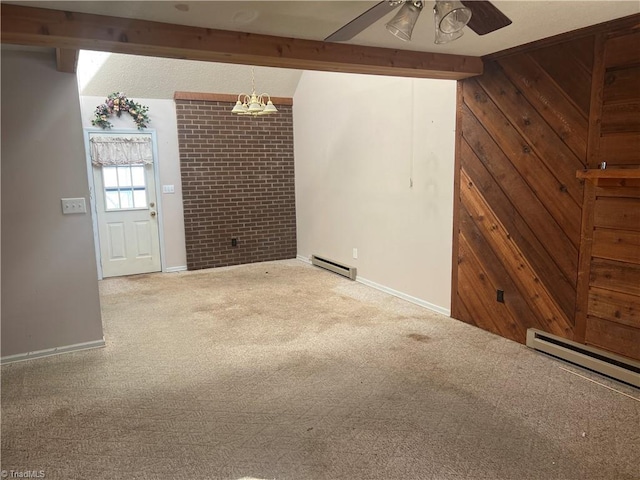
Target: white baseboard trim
x=395, y=293
x=182, y=268
x=20, y=357
x=404, y=296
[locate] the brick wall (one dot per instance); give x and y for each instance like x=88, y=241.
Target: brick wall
x=237, y=182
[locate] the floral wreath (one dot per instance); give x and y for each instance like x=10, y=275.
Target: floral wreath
x=117, y=103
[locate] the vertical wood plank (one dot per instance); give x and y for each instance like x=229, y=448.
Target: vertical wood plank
x=584, y=263
x=455, y=313
x=595, y=114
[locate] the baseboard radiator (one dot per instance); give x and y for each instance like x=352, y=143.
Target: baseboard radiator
x=609, y=364
x=335, y=267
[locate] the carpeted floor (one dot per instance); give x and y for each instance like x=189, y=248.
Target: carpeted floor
x=283, y=371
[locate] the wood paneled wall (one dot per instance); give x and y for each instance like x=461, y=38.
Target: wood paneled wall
x=608, y=307
x=616, y=102
x=525, y=127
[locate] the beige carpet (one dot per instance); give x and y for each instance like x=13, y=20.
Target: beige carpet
x=283, y=371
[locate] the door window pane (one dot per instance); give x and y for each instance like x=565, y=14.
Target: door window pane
x=124, y=187
x=126, y=199
x=110, y=177
x=113, y=200
x=124, y=176
x=137, y=175
x=140, y=198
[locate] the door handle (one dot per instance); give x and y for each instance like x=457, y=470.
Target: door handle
x=153, y=214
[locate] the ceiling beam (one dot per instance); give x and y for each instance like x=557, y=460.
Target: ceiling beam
x=67, y=59
x=72, y=30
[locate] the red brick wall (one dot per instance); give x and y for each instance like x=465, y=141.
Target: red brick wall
x=237, y=182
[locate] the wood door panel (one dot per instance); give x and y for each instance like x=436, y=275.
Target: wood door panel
x=614, y=337
x=117, y=245
x=617, y=276
x=617, y=213
x=616, y=245
x=614, y=306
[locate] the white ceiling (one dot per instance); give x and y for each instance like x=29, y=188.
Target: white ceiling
x=315, y=20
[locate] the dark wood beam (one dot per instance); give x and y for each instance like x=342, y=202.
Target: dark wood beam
x=67, y=59
x=72, y=30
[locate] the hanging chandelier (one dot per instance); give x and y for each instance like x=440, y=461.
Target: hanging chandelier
x=254, y=104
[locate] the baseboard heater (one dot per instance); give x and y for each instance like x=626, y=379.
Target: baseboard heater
x=609, y=364
x=335, y=267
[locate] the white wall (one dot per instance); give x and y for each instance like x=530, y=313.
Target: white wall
x=359, y=143
x=101, y=73
x=50, y=288
x=163, y=120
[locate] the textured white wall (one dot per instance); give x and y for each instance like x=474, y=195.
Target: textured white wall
x=149, y=77
x=163, y=120
x=49, y=278
x=359, y=142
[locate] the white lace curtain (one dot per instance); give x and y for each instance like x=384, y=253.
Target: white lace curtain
x=120, y=150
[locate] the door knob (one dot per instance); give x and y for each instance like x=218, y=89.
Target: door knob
x=153, y=214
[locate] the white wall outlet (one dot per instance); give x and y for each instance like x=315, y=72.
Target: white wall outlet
x=73, y=205
x=355, y=253
x=168, y=189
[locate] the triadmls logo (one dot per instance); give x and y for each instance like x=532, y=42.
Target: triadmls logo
x=22, y=474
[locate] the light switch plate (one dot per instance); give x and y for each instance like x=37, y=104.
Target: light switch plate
x=73, y=205
x=168, y=189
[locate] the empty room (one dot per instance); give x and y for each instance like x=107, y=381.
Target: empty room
x=320, y=240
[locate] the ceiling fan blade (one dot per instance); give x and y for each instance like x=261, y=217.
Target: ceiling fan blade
x=485, y=18
x=358, y=24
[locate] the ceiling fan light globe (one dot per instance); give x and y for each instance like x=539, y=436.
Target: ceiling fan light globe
x=442, y=38
x=451, y=16
x=402, y=24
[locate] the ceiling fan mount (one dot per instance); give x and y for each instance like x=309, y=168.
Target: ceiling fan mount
x=450, y=17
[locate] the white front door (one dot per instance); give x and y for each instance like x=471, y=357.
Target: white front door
x=127, y=219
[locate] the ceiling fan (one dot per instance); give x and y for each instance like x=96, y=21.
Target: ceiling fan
x=450, y=18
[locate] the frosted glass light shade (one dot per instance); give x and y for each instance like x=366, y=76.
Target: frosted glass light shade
x=442, y=37
x=402, y=24
x=451, y=17
x=270, y=107
x=238, y=108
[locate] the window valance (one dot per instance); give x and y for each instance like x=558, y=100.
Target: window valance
x=112, y=150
